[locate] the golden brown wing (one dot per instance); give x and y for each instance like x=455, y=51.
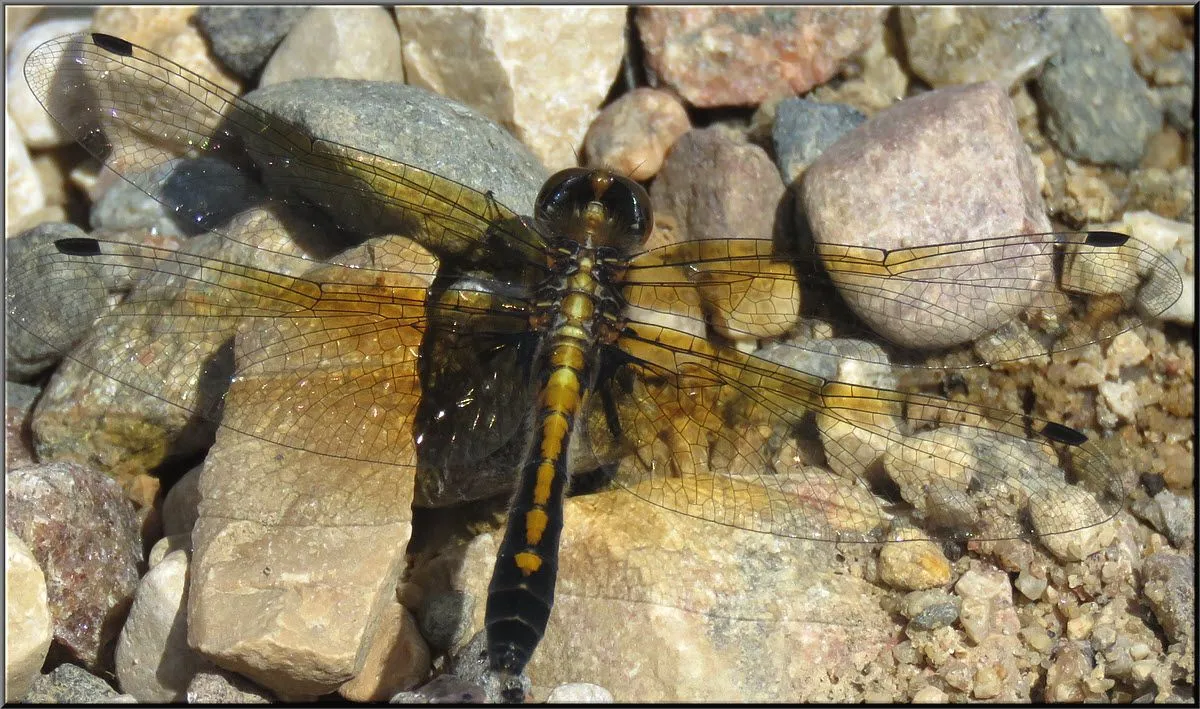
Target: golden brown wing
x=747, y=291
x=137, y=110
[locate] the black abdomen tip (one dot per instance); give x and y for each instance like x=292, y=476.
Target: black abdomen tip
x=78, y=246
x=114, y=45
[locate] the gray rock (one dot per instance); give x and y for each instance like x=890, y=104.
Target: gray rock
x=443, y=689
x=408, y=124
x=1178, y=516
x=963, y=45
x=1096, y=106
x=446, y=618
x=1171, y=590
x=218, y=686
x=71, y=684
x=244, y=37
x=803, y=129
x=930, y=609
x=49, y=309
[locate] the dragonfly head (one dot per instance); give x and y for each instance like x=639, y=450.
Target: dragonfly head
x=596, y=208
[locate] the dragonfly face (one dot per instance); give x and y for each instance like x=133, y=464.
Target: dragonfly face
x=558, y=338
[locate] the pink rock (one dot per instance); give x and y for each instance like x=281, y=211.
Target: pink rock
x=85, y=535
x=745, y=55
x=943, y=167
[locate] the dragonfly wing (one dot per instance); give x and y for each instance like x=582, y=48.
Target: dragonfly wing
x=747, y=292
x=137, y=110
x=718, y=434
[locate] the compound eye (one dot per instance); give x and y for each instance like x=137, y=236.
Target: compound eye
x=626, y=203
x=565, y=191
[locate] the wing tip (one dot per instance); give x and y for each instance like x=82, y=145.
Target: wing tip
x=78, y=246
x=111, y=44
x=1063, y=434
x=1106, y=239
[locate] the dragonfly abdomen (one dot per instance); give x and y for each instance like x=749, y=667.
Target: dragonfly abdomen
x=521, y=592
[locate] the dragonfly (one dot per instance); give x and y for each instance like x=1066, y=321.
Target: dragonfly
x=565, y=341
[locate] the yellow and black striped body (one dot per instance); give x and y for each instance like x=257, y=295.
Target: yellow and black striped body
x=576, y=323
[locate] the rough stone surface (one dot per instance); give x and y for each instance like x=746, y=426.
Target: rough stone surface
x=71, y=684
x=18, y=405
x=85, y=535
x=1096, y=106
x=743, y=56
x=153, y=660
x=181, y=505
x=341, y=43
x=642, y=579
x=540, y=72
x=633, y=134
x=579, y=693
x=217, y=686
x=244, y=37
x=397, y=659
x=27, y=622
x=803, y=129
x=948, y=165
x=1170, y=588
x=963, y=45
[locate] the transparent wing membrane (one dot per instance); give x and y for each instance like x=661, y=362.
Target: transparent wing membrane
x=418, y=345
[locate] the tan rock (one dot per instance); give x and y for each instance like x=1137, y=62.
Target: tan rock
x=540, y=72
x=338, y=42
x=23, y=193
x=398, y=659
x=633, y=134
x=37, y=128
x=27, y=622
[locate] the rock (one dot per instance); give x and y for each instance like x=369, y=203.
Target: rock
x=397, y=659
x=964, y=45
x=987, y=604
x=27, y=622
x=875, y=79
x=633, y=134
x=71, y=684
x=23, y=190
x=338, y=42
x=153, y=660
x=166, y=546
x=35, y=128
x=218, y=686
x=443, y=689
x=744, y=56
x=445, y=618
x=412, y=125
x=912, y=562
x=930, y=610
x=309, y=545
x=710, y=637
x=1168, y=585
x=711, y=187
x=1066, y=678
x=48, y=309
x=18, y=405
x=182, y=503
x=168, y=31
x=1178, y=515
x=244, y=37
x=881, y=185
x=1096, y=107
x=579, y=693
x=85, y=535
x=803, y=129
x=540, y=72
